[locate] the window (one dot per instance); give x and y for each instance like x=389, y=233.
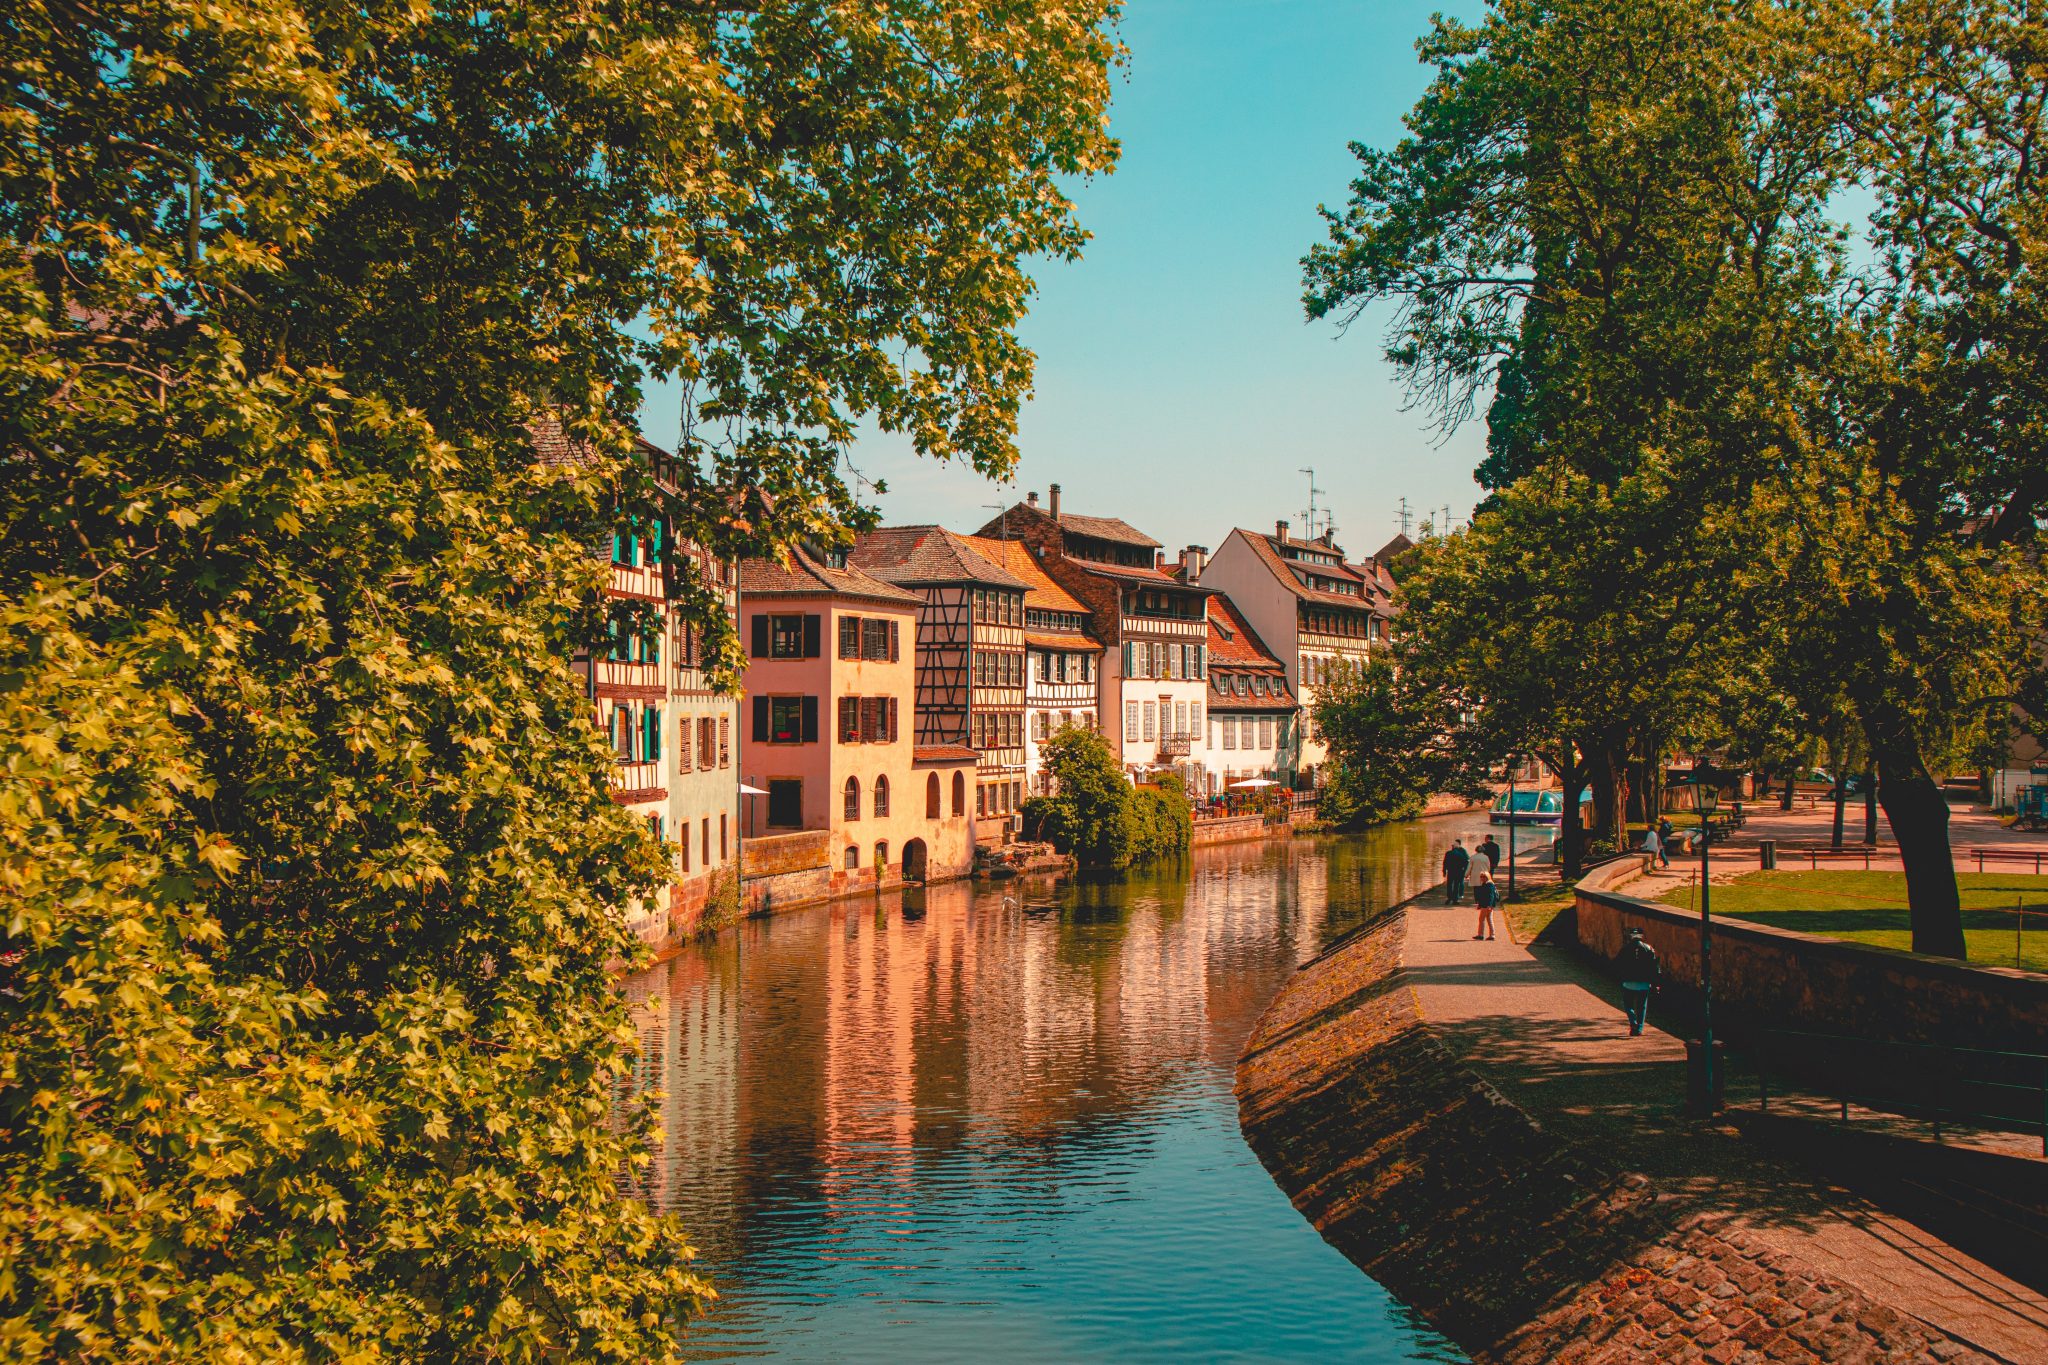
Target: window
x=708, y=731
x=882, y=854
x=785, y=803
x=1041, y=725
x=959, y=794
x=724, y=741
x=786, y=637
x=881, y=797
x=786, y=720
x=849, y=720
x=707, y=838
x=1130, y=720
x=853, y=857
x=1087, y=720
x=1195, y=718
x=1180, y=718
x=722, y=854
x=1016, y=793
x=622, y=733
x=980, y=800
x=683, y=846
x=878, y=640
x=851, y=808
x=1149, y=721
x=849, y=641
x=931, y=797
x=1265, y=732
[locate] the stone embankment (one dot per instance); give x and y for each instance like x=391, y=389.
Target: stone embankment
x=1523, y=1245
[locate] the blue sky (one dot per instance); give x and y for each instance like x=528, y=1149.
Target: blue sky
x=1178, y=384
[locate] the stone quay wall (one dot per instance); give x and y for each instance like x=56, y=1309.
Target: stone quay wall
x=1518, y=1244
x=1766, y=977
x=1232, y=829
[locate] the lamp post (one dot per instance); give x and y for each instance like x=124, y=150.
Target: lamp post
x=1511, y=830
x=1705, y=1094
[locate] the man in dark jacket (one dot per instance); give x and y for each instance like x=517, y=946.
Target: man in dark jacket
x=1491, y=850
x=1639, y=969
x=1456, y=860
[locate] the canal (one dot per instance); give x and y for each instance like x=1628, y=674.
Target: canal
x=997, y=1119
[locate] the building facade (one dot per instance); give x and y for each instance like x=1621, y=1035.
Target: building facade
x=1063, y=661
x=849, y=798
x=1153, y=682
x=970, y=657
x=1316, y=613
x=1253, y=721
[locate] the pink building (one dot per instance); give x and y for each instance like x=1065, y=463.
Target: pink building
x=849, y=799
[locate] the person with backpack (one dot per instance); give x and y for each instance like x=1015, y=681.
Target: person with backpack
x=1456, y=860
x=1485, y=895
x=1639, y=975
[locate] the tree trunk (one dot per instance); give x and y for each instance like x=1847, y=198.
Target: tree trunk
x=1870, y=806
x=1918, y=812
x=1570, y=835
x=1606, y=764
x=1841, y=801
x=1785, y=796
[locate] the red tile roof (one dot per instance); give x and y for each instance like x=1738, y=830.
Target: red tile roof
x=1263, y=547
x=1232, y=640
x=806, y=576
x=943, y=753
x=926, y=554
x=1041, y=593
x=1106, y=528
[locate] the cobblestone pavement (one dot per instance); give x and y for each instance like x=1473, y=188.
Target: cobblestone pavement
x=1551, y=1036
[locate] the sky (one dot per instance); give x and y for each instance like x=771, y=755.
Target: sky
x=1178, y=384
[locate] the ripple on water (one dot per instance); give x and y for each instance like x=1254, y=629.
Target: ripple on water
x=981, y=1130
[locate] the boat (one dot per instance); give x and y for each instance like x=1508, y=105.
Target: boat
x=1530, y=808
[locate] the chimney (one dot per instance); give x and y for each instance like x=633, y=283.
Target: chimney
x=1159, y=560
x=1280, y=531
x=1193, y=560
x=1053, y=495
x=1031, y=498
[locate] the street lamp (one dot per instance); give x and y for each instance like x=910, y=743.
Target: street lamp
x=1705, y=1095
x=1511, y=830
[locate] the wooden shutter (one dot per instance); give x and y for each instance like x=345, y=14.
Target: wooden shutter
x=849, y=637
x=892, y=642
x=760, y=715
x=760, y=639
x=811, y=703
x=892, y=720
x=812, y=630
x=849, y=720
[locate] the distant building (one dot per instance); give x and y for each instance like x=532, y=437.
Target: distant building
x=1252, y=714
x=850, y=798
x=970, y=657
x=1316, y=612
x=670, y=733
x=1062, y=660
x=1154, y=675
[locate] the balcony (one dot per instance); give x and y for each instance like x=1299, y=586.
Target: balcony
x=1174, y=746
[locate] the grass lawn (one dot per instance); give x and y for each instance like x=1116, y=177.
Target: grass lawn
x=1539, y=905
x=1870, y=907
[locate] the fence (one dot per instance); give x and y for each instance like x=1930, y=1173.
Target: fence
x=1944, y=1084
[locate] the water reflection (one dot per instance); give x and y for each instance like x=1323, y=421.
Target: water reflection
x=999, y=1119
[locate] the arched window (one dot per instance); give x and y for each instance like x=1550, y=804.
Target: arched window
x=853, y=798
x=931, y=797
x=882, y=854
x=959, y=794
x=881, y=796
x=853, y=857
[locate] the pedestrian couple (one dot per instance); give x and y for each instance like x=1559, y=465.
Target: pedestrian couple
x=1657, y=840
x=1478, y=865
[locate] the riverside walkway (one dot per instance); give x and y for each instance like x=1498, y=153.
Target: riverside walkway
x=1549, y=1036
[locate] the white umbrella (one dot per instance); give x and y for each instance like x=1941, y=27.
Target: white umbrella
x=746, y=790
x=1256, y=782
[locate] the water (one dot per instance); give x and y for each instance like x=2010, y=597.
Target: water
x=998, y=1120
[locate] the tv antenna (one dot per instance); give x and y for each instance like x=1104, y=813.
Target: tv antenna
x=1407, y=517
x=1309, y=517
x=1002, y=511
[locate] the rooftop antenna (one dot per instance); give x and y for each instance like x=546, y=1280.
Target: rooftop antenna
x=1309, y=517
x=1002, y=510
x=1407, y=517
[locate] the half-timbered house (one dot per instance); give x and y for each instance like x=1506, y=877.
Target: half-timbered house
x=1318, y=612
x=970, y=657
x=1154, y=676
x=1062, y=660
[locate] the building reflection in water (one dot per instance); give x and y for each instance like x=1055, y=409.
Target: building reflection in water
x=975, y=1108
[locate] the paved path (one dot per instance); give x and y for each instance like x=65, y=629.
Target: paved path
x=1552, y=1038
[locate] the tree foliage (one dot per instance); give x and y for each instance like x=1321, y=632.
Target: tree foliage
x=309, y=1045
x=1091, y=812
x=1393, y=740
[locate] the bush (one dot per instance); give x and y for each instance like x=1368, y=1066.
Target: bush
x=1165, y=824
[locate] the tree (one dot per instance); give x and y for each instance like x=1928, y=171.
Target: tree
x=1091, y=813
x=310, y=1045
x=1392, y=744
x=1164, y=819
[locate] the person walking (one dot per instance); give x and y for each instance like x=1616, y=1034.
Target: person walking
x=1655, y=846
x=1485, y=895
x=1492, y=852
x=1456, y=860
x=1639, y=977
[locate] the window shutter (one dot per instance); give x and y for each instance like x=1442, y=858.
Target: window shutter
x=760, y=716
x=849, y=720
x=892, y=720
x=760, y=640
x=1130, y=659
x=811, y=634
x=811, y=703
x=849, y=637
x=892, y=642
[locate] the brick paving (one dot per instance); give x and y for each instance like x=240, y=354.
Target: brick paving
x=1475, y=1129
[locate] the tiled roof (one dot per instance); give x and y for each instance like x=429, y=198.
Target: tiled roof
x=553, y=447
x=1136, y=575
x=927, y=554
x=805, y=576
x=1393, y=549
x=943, y=753
x=1087, y=644
x=1232, y=641
x=1274, y=700
x=1107, y=528
x=1040, y=592
x=1262, y=546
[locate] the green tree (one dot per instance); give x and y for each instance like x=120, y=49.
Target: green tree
x=1392, y=743
x=310, y=1047
x=1092, y=811
x=1164, y=819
